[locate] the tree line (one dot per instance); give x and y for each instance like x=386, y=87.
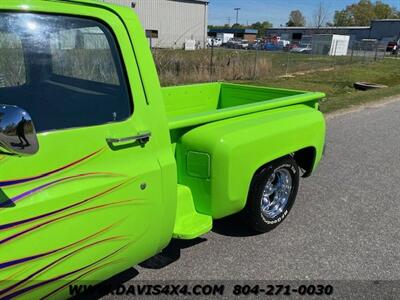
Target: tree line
x=260, y=26
x=357, y=14
x=363, y=12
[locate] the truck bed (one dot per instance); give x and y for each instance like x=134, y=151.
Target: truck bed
x=193, y=105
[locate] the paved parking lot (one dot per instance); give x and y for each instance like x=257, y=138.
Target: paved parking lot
x=345, y=223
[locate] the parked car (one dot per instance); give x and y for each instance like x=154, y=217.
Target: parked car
x=284, y=43
x=100, y=166
x=238, y=44
x=225, y=37
x=232, y=43
x=214, y=42
x=302, y=48
x=243, y=44
x=293, y=45
x=392, y=47
x=273, y=47
x=258, y=45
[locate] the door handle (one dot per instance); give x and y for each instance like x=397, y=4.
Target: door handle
x=142, y=138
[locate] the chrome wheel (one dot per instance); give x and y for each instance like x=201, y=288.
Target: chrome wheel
x=276, y=193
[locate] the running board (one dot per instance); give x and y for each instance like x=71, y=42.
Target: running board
x=189, y=224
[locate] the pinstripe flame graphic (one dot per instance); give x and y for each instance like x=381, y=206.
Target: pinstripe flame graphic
x=62, y=180
x=29, y=179
x=15, y=262
x=12, y=276
x=31, y=229
x=52, y=264
x=29, y=267
x=36, y=218
x=17, y=293
x=81, y=276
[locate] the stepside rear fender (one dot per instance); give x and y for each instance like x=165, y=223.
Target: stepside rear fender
x=218, y=160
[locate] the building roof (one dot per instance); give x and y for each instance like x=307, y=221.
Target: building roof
x=386, y=20
x=237, y=31
x=321, y=28
x=198, y=1
x=335, y=27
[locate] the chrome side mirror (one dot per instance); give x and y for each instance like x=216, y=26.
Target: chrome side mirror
x=17, y=131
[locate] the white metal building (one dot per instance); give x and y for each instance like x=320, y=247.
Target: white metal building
x=170, y=23
x=330, y=44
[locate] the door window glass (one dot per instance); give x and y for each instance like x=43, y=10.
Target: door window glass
x=64, y=71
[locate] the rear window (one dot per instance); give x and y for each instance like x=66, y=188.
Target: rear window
x=11, y=74
x=64, y=71
x=83, y=53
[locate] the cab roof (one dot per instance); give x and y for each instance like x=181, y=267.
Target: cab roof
x=83, y=2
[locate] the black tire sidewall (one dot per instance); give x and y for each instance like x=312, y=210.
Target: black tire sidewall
x=255, y=216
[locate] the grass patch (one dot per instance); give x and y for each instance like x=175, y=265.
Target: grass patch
x=334, y=76
x=357, y=98
x=180, y=67
x=337, y=83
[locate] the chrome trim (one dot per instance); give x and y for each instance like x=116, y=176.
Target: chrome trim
x=17, y=131
x=142, y=138
x=276, y=193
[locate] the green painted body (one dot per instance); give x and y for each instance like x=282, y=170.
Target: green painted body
x=82, y=211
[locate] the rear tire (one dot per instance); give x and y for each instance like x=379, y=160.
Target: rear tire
x=272, y=194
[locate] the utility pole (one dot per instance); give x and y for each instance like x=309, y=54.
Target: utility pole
x=237, y=14
x=229, y=20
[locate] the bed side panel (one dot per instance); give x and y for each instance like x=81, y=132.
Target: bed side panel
x=237, y=148
x=191, y=99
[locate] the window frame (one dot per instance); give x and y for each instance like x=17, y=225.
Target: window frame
x=116, y=52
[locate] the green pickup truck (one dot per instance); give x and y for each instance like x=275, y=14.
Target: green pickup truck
x=100, y=167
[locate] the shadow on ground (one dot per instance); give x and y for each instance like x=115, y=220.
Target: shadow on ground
x=170, y=254
x=233, y=226
x=107, y=287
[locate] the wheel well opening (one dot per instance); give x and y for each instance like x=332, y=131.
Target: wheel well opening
x=305, y=158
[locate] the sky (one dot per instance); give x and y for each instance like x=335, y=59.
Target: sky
x=275, y=11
